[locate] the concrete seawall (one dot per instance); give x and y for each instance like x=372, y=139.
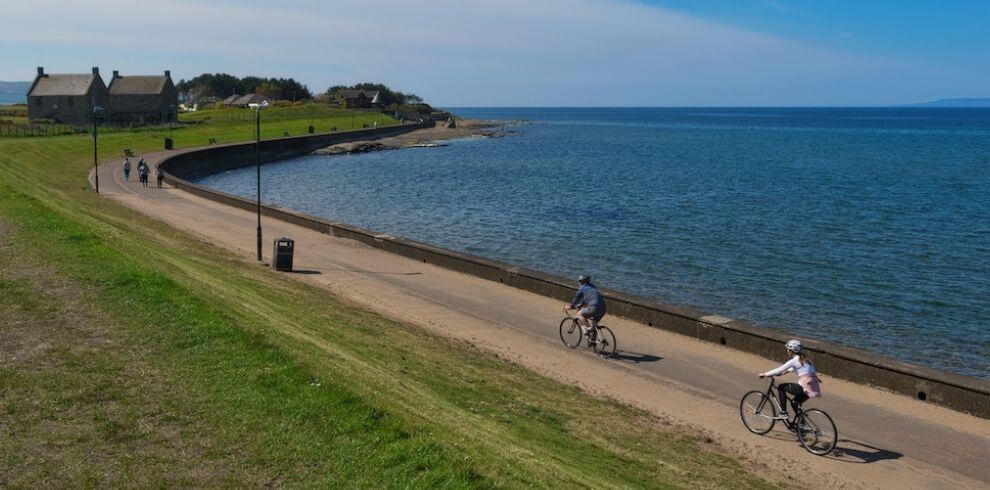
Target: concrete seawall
x=931, y=385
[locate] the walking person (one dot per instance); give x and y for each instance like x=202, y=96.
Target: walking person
x=144, y=171
x=127, y=169
x=160, y=174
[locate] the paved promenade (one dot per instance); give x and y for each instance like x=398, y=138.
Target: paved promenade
x=886, y=440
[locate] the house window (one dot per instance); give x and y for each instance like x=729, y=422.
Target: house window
x=37, y=101
x=71, y=100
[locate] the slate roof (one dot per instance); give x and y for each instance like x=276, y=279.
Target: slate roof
x=354, y=94
x=250, y=99
x=231, y=99
x=62, y=84
x=138, y=85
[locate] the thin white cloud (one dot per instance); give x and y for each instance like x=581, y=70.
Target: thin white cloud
x=511, y=52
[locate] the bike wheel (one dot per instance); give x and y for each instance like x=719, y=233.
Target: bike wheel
x=757, y=412
x=817, y=432
x=605, y=343
x=570, y=332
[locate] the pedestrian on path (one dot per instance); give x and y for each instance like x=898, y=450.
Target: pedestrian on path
x=127, y=169
x=143, y=171
x=160, y=173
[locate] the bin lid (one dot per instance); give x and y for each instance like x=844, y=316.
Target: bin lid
x=284, y=240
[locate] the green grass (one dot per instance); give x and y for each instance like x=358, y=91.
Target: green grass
x=230, y=124
x=169, y=361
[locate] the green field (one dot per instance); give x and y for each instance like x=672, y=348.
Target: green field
x=222, y=125
x=134, y=355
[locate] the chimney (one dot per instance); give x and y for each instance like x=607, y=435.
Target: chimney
x=41, y=71
x=96, y=70
x=116, y=74
x=168, y=74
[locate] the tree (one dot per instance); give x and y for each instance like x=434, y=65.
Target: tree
x=222, y=85
x=388, y=96
x=206, y=85
x=293, y=90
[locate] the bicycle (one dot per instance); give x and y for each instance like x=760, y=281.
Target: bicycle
x=600, y=339
x=814, y=428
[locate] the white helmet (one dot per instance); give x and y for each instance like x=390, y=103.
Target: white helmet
x=794, y=345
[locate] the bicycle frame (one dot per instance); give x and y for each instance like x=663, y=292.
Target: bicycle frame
x=567, y=313
x=772, y=395
x=811, y=432
x=598, y=336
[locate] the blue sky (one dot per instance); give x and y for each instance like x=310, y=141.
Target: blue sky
x=935, y=31
x=532, y=52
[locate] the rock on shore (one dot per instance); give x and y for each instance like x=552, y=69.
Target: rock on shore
x=422, y=138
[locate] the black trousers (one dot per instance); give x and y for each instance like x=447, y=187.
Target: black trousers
x=795, y=390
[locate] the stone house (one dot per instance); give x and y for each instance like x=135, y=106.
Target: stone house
x=360, y=99
x=148, y=99
x=68, y=98
x=246, y=100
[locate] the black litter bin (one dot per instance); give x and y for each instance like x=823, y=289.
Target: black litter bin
x=168, y=143
x=282, y=257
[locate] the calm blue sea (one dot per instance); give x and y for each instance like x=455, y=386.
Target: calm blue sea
x=865, y=227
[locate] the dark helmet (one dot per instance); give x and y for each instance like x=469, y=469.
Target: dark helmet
x=583, y=279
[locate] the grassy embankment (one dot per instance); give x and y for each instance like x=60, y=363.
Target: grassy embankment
x=132, y=354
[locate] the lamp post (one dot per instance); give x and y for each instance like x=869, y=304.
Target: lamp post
x=257, y=154
x=173, y=116
x=97, y=110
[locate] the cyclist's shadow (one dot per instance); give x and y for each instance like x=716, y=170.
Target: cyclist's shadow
x=845, y=450
x=633, y=357
x=858, y=452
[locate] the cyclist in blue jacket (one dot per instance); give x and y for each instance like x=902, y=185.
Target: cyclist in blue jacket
x=589, y=303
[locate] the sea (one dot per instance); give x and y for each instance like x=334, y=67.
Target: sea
x=867, y=227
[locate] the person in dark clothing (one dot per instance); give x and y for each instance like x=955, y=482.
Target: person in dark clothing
x=160, y=174
x=589, y=303
x=143, y=172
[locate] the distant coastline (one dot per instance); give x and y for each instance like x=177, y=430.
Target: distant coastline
x=954, y=103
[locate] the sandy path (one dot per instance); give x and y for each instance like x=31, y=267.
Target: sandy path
x=886, y=440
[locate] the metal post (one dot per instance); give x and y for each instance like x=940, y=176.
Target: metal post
x=96, y=167
x=257, y=153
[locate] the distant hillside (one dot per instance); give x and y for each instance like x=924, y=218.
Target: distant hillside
x=14, y=92
x=978, y=102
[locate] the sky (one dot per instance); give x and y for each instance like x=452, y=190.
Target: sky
x=464, y=53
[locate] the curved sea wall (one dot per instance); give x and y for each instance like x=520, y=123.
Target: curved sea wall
x=931, y=385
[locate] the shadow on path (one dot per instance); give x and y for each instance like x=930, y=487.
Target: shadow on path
x=846, y=450
x=860, y=453
x=634, y=358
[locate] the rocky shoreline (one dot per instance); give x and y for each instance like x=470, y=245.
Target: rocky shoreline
x=424, y=138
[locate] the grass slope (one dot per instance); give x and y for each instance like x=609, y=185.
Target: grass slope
x=135, y=355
